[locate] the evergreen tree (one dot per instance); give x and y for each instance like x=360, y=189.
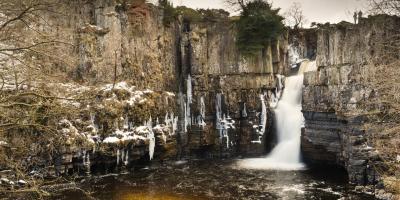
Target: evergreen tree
x=258, y=25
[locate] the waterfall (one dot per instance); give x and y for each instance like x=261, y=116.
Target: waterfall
x=289, y=120
x=294, y=56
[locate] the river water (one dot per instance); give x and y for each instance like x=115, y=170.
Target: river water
x=213, y=180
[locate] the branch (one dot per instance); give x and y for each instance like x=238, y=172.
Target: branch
x=18, y=17
x=32, y=46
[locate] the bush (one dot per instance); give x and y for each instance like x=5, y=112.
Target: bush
x=258, y=25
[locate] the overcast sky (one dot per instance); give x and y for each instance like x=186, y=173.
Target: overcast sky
x=315, y=10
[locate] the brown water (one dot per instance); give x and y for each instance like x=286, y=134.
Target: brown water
x=213, y=180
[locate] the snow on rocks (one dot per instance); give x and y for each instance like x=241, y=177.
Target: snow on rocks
x=110, y=120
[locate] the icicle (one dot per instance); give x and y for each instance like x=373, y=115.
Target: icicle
x=225, y=131
x=263, y=114
x=187, y=117
x=152, y=139
x=152, y=144
x=126, y=157
x=167, y=121
x=87, y=164
x=150, y=123
x=227, y=138
x=123, y=156
x=92, y=121
x=223, y=124
x=126, y=123
x=118, y=156
x=116, y=124
x=202, y=107
x=88, y=159
x=218, y=114
x=175, y=125
x=244, y=112
x=263, y=120
x=189, y=89
x=83, y=157
x=131, y=125
x=218, y=110
x=157, y=121
x=200, y=120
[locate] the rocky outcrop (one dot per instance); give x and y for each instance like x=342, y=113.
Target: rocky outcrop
x=333, y=96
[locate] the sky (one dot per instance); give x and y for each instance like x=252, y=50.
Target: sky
x=320, y=11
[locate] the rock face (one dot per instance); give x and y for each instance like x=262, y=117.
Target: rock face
x=127, y=39
x=229, y=88
x=222, y=98
x=333, y=96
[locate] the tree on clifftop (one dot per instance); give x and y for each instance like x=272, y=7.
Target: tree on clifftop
x=258, y=25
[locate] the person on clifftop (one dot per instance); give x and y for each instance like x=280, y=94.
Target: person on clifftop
x=355, y=17
x=360, y=14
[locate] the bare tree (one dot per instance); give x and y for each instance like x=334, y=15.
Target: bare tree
x=31, y=50
x=294, y=16
x=390, y=7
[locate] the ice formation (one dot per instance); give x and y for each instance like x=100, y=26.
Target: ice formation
x=223, y=123
x=263, y=120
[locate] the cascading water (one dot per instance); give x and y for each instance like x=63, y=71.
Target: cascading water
x=289, y=120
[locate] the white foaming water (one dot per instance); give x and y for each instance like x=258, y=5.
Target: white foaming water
x=289, y=121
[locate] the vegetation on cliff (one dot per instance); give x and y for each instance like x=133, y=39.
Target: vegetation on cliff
x=258, y=25
x=191, y=15
x=384, y=108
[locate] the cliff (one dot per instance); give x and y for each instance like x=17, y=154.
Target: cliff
x=338, y=97
x=181, y=90
x=184, y=90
